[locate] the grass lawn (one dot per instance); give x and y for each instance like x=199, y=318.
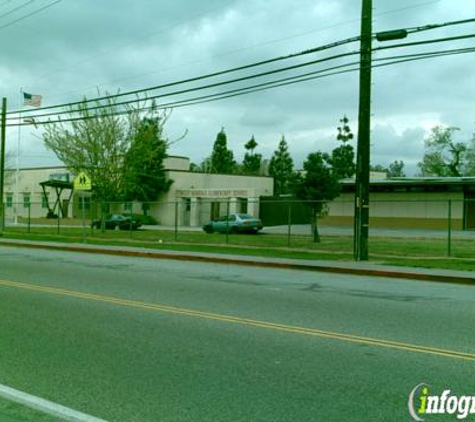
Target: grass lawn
x=415, y=252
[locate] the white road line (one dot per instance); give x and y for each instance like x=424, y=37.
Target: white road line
x=46, y=406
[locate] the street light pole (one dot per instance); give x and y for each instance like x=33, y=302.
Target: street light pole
x=361, y=225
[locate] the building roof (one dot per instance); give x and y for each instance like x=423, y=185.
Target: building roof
x=419, y=181
x=55, y=183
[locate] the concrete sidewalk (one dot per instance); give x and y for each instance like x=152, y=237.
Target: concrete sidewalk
x=340, y=267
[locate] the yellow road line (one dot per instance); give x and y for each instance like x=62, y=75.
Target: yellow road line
x=244, y=321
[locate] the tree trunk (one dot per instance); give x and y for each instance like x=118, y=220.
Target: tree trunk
x=103, y=217
x=315, y=233
x=145, y=208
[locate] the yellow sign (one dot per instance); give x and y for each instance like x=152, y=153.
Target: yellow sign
x=82, y=182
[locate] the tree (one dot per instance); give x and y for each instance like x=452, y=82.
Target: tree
x=443, y=157
x=145, y=177
x=95, y=142
x=222, y=158
x=396, y=169
x=343, y=157
x=469, y=165
x=379, y=168
x=252, y=161
x=281, y=168
x=319, y=183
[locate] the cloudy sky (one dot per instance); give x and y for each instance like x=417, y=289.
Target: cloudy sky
x=76, y=47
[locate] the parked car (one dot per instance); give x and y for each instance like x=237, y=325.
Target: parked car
x=118, y=222
x=234, y=223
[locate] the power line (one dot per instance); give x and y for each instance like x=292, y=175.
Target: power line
x=16, y=8
x=306, y=77
x=198, y=78
x=30, y=14
x=290, y=56
x=425, y=42
x=230, y=52
x=273, y=84
x=217, y=84
x=202, y=87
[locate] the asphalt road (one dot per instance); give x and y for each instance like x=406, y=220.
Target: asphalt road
x=133, y=339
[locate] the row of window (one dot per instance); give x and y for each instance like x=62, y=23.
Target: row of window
x=26, y=201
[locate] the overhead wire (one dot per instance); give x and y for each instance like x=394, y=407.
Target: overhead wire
x=230, y=81
x=424, y=42
x=269, y=85
x=35, y=12
x=15, y=9
x=301, y=34
x=201, y=77
x=202, y=87
x=268, y=61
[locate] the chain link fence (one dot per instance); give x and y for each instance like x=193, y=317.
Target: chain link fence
x=445, y=226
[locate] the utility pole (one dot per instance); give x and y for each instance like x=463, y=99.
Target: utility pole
x=2, y=164
x=361, y=228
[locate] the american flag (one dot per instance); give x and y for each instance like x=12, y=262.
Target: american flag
x=31, y=100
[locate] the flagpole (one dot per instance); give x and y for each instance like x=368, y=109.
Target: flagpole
x=17, y=171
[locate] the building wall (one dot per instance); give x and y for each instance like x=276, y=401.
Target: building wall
x=174, y=162
x=199, y=194
x=403, y=209
x=29, y=190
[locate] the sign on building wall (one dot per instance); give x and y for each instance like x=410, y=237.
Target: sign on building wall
x=213, y=193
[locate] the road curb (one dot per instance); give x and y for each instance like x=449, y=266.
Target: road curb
x=46, y=406
x=404, y=273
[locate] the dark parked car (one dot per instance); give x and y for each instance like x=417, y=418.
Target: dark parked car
x=118, y=222
x=234, y=223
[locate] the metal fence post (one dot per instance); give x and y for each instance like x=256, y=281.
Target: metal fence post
x=29, y=219
x=449, y=229
x=289, y=221
x=227, y=222
x=83, y=216
x=59, y=218
x=131, y=218
x=176, y=221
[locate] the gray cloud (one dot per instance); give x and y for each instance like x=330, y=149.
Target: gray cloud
x=76, y=47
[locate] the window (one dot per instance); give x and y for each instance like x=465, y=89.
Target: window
x=26, y=201
x=9, y=201
x=128, y=206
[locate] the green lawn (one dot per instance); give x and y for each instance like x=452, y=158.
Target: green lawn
x=417, y=252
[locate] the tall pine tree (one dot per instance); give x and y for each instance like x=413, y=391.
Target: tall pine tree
x=145, y=177
x=252, y=161
x=281, y=168
x=222, y=158
x=318, y=184
x=342, y=158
